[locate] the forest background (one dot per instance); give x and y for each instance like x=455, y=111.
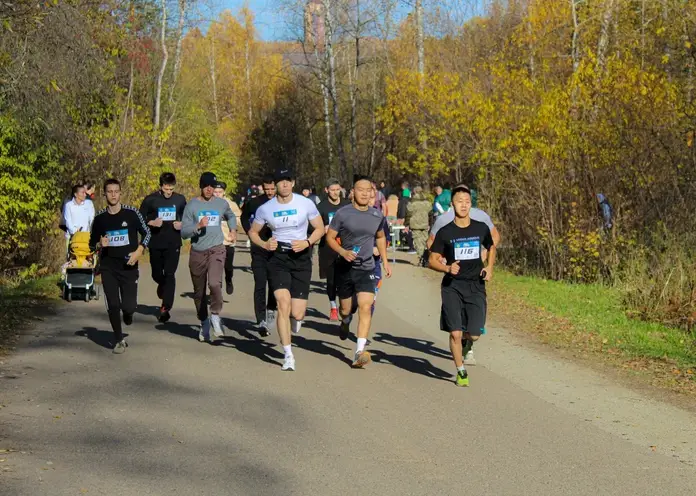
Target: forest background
x=542, y=105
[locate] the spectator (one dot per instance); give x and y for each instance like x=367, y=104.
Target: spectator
x=443, y=200
x=417, y=211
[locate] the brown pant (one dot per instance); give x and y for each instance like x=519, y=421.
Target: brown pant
x=207, y=266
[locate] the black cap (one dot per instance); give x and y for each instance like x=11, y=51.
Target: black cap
x=221, y=184
x=283, y=173
x=207, y=179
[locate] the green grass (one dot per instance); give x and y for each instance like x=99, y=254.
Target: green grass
x=596, y=309
x=24, y=302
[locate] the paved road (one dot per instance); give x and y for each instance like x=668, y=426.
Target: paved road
x=174, y=416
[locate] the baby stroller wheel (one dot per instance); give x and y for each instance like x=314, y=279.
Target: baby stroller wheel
x=67, y=294
x=87, y=298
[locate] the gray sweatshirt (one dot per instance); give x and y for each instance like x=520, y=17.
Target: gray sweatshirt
x=216, y=209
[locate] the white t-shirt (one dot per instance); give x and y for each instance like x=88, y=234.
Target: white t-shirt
x=287, y=221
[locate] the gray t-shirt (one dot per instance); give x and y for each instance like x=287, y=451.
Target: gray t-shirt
x=447, y=217
x=216, y=209
x=357, y=230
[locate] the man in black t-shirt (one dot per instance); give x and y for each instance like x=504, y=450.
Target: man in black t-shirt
x=163, y=211
x=116, y=230
x=327, y=257
x=463, y=287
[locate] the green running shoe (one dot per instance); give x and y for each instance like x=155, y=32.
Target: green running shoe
x=462, y=379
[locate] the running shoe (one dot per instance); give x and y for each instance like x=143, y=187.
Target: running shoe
x=164, y=315
x=217, y=326
x=204, y=332
x=229, y=287
x=120, y=347
x=462, y=379
x=469, y=358
x=412, y=252
x=270, y=319
x=344, y=330
x=263, y=329
x=289, y=363
x=362, y=358
x=333, y=316
x=128, y=318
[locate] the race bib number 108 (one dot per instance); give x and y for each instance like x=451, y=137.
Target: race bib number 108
x=118, y=238
x=466, y=250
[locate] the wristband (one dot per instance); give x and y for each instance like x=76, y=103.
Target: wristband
x=309, y=243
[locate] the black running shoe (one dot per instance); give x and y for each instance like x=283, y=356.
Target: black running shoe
x=229, y=287
x=344, y=330
x=164, y=315
x=128, y=318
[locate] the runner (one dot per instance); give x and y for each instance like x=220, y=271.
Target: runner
x=219, y=192
x=463, y=289
x=201, y=223
x=163, y=211
x=359, y=227
x=447, y=218
x=116, y=230
x=265, y=312
x=288, y=216
x=328, y=257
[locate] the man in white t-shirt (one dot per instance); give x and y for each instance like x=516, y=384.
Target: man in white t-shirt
x=288, y=216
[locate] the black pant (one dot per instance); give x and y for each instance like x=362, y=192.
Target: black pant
x=229, y=263
x=120, y=283
x=259, y=266
x=164, y=262
x=331, y=282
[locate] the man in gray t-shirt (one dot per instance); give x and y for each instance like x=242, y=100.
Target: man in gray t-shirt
x=359, y=228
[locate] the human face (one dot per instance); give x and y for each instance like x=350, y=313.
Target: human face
x=269, y=189
x=167, y=190
x=80, y=195
x=334, y=192
x=305, y=192
x=207, y=192
x=373, y=196
x=462, y=204
x=361, y=193
x=113, y=194
x=219, y=192
x=438, y=190
x=284, y=188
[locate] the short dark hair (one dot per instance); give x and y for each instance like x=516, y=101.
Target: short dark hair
x=111, y=181
x=361, y=177
x=461, y=189
x=76, y=188
x=331, y=182
x=87, y=184
x=267, y=179
x=167, y=178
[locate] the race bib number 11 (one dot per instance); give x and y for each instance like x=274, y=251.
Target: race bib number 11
x=285, y=218
x=466, y=250
x=213, y=217
x=118, y=238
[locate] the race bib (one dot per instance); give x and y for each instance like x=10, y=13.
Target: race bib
x=213, y=217
x=285, y=218
x=466, y=250
x=167, y=213
x=118, y=238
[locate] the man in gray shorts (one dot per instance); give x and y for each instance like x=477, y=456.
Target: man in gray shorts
x=358, y=226
x=201, y=223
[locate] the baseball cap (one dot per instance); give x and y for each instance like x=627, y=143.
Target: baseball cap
x=207, y=179
x=221, y=184
x=283, y=173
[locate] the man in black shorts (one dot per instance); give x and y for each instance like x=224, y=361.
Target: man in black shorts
x=463, y=289
x=328, y=257
x=359, y=228
x=116, y=230
x=288, y=215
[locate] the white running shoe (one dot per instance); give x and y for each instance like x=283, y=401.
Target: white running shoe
x=217, y=326
x=295, y=325
x=289, y=363
x=204, y=332
x=270, y=319
x=469, y=358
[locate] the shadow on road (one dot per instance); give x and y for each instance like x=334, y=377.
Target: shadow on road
x=185, y=330
x=313, y=312
x=105, y=339
x=242, y=268
x=322, y=348
x=419, y=345
x=328, y=328
x=411, y=364
x=147, y=310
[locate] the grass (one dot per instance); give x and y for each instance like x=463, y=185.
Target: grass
x=21, y=303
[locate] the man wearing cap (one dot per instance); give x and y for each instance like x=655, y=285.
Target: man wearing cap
x=290, y=264
x=201, y=224
x=219, y=192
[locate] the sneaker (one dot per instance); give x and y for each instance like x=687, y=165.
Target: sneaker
x=412, y=252
x=204, y=332
x=217, y=326
x=263, y=329
x=462, y=379
x=344, y=330
x=229, y=287
x=120, y=347
x=362, y=358
x=164, y=315
x=333, y=316
x=295, y=325
x=128, y=318
x=289, y=363
x=469, y=358
x=270, y=319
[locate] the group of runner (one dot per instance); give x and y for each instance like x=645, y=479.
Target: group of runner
x=283, y=228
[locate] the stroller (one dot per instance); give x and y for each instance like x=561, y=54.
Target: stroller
x=80, y=270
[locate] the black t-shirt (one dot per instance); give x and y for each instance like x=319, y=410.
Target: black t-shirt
x=463, y=244
x=327, y=210
x=249, y=213
x=169, y=209
x=122, y=229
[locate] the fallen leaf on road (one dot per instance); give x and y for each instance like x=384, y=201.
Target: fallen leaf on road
x=654, y=448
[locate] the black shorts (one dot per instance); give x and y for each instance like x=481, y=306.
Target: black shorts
x=327, y=258
x=351, y=280
x=463, y=306
x=291, y=271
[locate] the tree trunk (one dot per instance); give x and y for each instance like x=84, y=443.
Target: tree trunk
x=163, y=66
x=247, y=64
x=603, y=44
x=575, y=50
x=129, y=97
x=420, y=45
x=213, y=78
x=177, y=55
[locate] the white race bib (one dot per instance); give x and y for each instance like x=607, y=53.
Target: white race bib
x=213, y=217
x=285, y=218
x=167, y=213
x=467, y=250
x=118, y=238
